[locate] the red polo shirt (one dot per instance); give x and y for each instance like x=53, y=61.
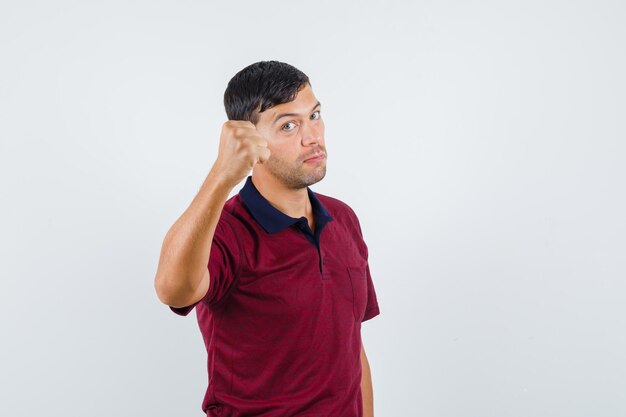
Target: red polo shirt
x=281, y=320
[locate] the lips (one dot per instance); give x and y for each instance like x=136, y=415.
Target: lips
x=319, y=155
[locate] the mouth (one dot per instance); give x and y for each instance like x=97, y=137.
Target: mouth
x=316, y=158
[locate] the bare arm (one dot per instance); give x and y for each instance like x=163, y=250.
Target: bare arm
x=182, y=275
x=366, y=386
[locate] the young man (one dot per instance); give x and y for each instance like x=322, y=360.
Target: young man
x=278, y=274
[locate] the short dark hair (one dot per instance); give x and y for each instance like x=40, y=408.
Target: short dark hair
x=260, y=86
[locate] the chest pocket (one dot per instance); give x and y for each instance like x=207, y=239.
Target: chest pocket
x=358, y=279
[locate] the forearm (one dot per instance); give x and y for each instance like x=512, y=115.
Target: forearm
x=186, y=247
x=366, y=388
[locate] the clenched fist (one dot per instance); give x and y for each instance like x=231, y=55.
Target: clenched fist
x=241, y=146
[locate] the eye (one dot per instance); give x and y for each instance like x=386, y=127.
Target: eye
x=285, y=128
x=285, y=125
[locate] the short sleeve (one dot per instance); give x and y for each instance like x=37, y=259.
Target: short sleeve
x=224, y=262
x=371, y=309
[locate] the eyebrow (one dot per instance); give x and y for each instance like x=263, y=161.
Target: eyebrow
x=280, y=116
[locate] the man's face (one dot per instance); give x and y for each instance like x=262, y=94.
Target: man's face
x=295, y=132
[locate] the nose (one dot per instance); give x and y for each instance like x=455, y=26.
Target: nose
x=312, y=132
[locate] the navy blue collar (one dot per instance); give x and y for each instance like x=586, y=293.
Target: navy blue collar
x=272, y=219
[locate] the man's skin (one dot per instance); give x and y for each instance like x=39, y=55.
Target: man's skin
x=366, y=386
x=281, y=176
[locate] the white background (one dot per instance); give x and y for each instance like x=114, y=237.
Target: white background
x=481, y=144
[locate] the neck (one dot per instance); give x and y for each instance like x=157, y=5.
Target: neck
x=293, y=203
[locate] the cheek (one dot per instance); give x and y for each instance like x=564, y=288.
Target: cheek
x=278, y=153
x=322, y=127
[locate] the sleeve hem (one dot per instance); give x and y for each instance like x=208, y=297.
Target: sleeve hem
x=371, y=312
x=183, y=311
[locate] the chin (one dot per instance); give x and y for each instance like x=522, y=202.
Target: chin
x=317, y=178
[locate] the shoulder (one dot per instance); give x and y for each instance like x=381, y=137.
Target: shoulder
x=339, y=210
x=334, y=204
x=231, y=222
